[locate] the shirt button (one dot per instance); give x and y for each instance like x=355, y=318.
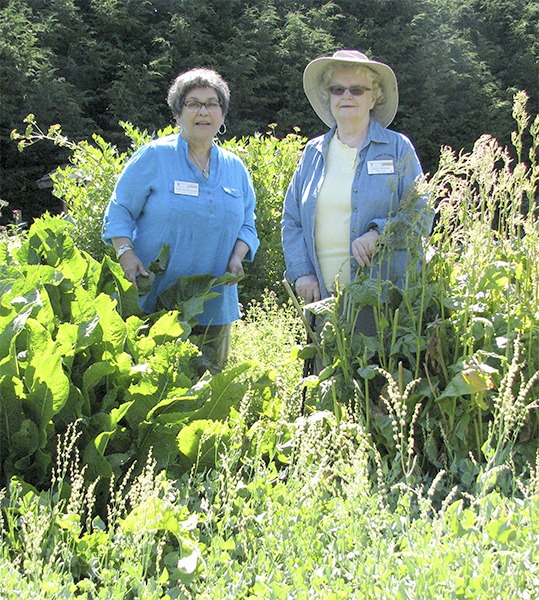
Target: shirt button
x=211, y=211
x=353, y=230
x=355, y=191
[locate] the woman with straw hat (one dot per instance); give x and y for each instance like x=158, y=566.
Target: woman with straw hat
x=352, y=182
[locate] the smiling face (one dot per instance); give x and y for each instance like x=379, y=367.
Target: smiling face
x=200, y=124
x=349, y=109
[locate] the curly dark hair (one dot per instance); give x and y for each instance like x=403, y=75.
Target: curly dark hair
x=197, y=78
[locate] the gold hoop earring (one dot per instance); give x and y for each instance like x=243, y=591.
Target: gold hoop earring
x=223, y=127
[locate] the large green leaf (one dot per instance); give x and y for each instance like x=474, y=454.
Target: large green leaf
x=83, y=306
x=226, y=392
x=178, y=407
x=112, y=325
x=156, y=267
x=46, y=383
x=469, y=381
x=11, y=325
x=93, y=376
x=97, y=465
x=113, y=283
x=189, y=294
x=33, y=467
x=67, y=337
x=25, y=441
x=11, y=415
x=50, y=242
x=168, y=327
x=159, y=439
x=142, y=398
x=201, y=441
x=106, y=426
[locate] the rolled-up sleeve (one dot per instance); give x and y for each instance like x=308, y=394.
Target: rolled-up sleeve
x=296, y=254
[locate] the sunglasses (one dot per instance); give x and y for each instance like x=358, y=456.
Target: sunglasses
x=355, y=90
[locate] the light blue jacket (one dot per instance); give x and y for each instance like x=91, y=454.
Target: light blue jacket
x=378, y=196
x=161, y=198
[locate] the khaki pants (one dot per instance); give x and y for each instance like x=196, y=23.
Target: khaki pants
x=365, y=324
x=217, y=338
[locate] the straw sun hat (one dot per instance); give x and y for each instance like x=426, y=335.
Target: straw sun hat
x=384, y=111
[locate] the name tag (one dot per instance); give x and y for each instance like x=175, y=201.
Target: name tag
x=186, y=188
x=380, y=167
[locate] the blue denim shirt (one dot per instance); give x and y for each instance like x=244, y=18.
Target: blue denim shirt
x=386, y=174
x=161, y=198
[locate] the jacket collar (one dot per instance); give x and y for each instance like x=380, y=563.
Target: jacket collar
x=377, y=133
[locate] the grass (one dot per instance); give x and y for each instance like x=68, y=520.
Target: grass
x=319, y=527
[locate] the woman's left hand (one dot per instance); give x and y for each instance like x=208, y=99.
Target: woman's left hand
x=363, y=247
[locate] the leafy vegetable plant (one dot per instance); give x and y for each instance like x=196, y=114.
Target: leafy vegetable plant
x=74, y=346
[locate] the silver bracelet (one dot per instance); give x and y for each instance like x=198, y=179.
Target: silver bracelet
x=123, y=249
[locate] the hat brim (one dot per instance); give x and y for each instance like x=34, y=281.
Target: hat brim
x=384, y=112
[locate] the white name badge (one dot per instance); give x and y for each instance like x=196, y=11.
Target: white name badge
x=186, y=188
x=380, y=167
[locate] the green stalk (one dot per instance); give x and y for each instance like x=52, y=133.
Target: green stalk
x=367, y=397
x=478, y=427
x=420, y=324
x=393, y=336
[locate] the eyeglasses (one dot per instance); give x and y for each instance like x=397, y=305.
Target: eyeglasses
x=355, y=90
x=195, y=105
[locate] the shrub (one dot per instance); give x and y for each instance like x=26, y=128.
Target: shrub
x=271, y=162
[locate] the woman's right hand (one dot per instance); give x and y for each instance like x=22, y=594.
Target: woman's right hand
x=308, y=288
x=132, y=266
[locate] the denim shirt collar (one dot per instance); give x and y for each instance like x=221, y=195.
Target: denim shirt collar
x=376, y=134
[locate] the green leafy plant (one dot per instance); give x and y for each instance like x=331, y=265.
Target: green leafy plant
x=75, y=347
x=146, y=539
x=449, y=380
x=271, y=163
x=84, y=184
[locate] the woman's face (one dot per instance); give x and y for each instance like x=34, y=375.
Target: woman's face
x=201, y=114
x=351, y=108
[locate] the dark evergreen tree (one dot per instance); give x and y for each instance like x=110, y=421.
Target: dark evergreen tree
x=88, y=64
x=32, y=80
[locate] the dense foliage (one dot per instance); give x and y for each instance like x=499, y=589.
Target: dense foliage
x=75, y=347
x=319, y=532
x=450, y=381
x=92, y=64
x=406, y=469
